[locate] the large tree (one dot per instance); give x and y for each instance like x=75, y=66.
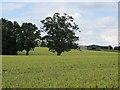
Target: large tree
x=9, y=37
x=60, y=33
x=26, y=36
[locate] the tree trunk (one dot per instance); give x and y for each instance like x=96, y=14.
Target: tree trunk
x=59, y=53
x=27, y=52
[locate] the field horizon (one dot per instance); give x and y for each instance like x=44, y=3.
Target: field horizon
x=74, y=69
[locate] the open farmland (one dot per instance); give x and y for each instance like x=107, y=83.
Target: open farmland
x=74, y=69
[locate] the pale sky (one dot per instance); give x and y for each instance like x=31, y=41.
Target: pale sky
x=98, y=21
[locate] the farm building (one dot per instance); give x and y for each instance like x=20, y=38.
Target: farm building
x=97, y=47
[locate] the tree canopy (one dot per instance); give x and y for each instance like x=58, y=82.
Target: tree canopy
x=18, y=38
x=8, y=37
x=60, y=33
x=26, y=37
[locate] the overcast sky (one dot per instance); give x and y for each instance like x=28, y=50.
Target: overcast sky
x=98, y=21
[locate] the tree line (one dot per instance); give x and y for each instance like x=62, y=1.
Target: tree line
x=60, y=36
x=18, y=38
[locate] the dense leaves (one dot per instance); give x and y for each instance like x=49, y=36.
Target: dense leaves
x=60, y=33
x=26, y=37
x=18, y=38
x=9, y=37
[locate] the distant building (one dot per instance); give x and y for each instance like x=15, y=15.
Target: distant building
x=97, y=47
x=83, y=47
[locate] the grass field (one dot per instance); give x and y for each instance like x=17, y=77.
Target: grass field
x=74, y=69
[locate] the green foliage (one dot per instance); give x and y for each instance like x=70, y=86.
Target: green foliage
x=60, y=33
x=117, y=48
x=9, y=37
x=75, y=69
x=18, y=38
x=26, y=37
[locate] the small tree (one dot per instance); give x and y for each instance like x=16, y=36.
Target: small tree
x=110, y=47
x=60, y=33
x=26, y=37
